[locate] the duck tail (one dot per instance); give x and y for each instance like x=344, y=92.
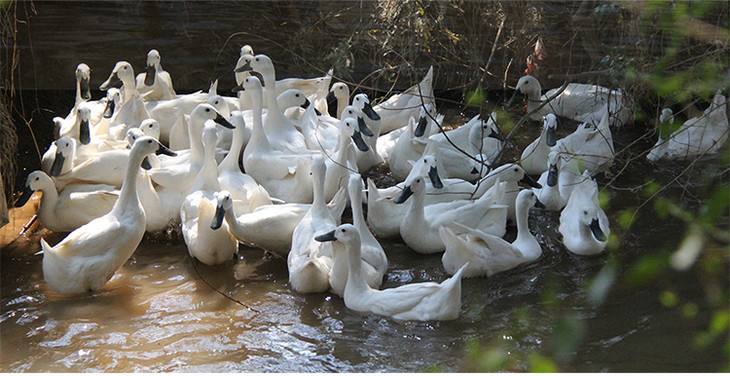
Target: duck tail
x=45, y=248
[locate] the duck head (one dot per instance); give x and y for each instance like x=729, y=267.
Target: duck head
x=121, y=73
x=83, y=78
x=346, y=234
x=529, y=198
x=349, y=128
x=205, y=112
x=416, y=186
x=514, y=173
x=424, y=119
x=113, y=98
x=362, y=102
x=153, y=61
x=246, y=50
x=355, y=113
x=549, y=125
x=527, y=86
x=223, y=203
x=338, y=92
x=589, y=218
x=65, y=150
x=146, y=145
x=553, y=160
x=150, y=127
x=36, y=181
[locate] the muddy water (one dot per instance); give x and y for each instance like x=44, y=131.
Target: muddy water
x=160, y=313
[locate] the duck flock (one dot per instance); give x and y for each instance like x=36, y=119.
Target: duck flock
x=276, y=166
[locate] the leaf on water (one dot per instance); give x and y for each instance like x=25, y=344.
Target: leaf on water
x=542, y=364
x=475, y=98
x=689, y=250
x=668, y=299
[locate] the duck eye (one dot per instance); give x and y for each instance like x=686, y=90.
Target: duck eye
x=516, y=170
x=37, y=178
x=585, y=212
x=207, y=110
x=149, y=141
x=216, y=102
x=343, y=230
x=257, y=59
x=124, y=67
x=67, y=144
x=297, y=95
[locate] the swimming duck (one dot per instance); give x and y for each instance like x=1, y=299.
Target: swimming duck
x=549, y=195
x=396, y=110
x=310, y=262
x=90, y=255
x=590, y=147
x=705, y=134
x=374, y=261
x=210, y=246
x=580, y=102
x=155, y=84
x=417, y=301
x=583, y=224
x=487, y=254
x=534, y=156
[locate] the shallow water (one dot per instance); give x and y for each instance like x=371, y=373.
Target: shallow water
x=157, y=313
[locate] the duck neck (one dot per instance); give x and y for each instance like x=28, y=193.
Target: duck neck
x=207, y=178
x=129, y=87
x=258, y=135
x=270, y=92
x=128, y=196
x=318, y=203
x=48, y=204
x=341, y=104
x=195, y=131
x=415, y=215
x=230, y=162
x=523, y=227
x=355, y=279
x=358, y=218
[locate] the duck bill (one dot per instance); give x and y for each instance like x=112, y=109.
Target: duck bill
x=149, y=77
x=162, y=149
x=539, y=204
x=146, y=164
x=474, y=171
x=84, y=132
x=495, y=134
x=238, y=88
x=550, y=137
x=109, y=109
x=552, y=177
x=244, y=68
x=364, y=127
x=433, y=174
x=332, y=104
x=112, y=81
x=85, y=89
x=368, y=110
x=220, y=120
x=306, y=105
x=421, y=127
x=596, y=230
x=404, y=195
x=511, y=100
x=57, y=165
x=359, y=142
x=24, y=197
x=328, y=237
x=259, y=76
x=530, y=181
x=217, y=221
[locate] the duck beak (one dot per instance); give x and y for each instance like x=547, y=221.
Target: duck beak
x=550, y=137
x=306, y=105
x=433, y=174
x=24, y=197
x=407, y=192
x=552, y=177
x=512, y=98
x=244, y=68
x=596, y=230
x=495, y=134
x=58, y=161
x=149, y=77
x=474, y=171
x=530, y=181
x=84, y=132
x=539, y=204
x=328, y=237
x=364, y=127
x=238, y=88
x=162, y=149
x=421, y=127
x=146, y=164
x=332, y=104
x=223, y=122
x=109, y=109
x=85, y=89
x=217, y=221
x=112, y=81
x=359, y=142
x=259, y=76
x=368, y=110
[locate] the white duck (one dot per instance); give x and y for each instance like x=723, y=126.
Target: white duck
x=370, y=158
x=549, y=195
x=284, y=175
x=579, y=102
x=419, y=226
x=83, y=95
x=374, y=261
x=590, y=147
x=338, y=98
x=210, y=246
x=480, y=138
x=310, y=262
x=113, y=104
x=343, y=162
x=246, y=192
x=71, y=208
x=487, y=254
x=89, y=256
x=583, y=224
x=396, y=110
x=408, y=143
x=534, y=156
x=133, y=109
x=705, y=134
x=155, y=84
x=417, y=301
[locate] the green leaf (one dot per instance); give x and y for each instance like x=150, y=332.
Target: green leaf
x=539, y=363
